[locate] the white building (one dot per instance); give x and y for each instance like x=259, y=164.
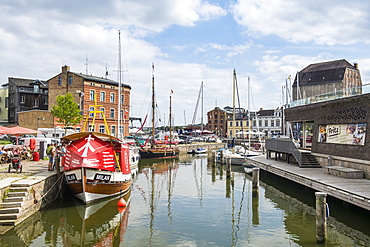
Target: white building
x=267, y=121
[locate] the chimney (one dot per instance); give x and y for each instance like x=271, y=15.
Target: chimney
x=65, y=69
x=355, y=65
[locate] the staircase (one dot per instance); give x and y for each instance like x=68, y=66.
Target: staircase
x=16, y=200
x=308, y=161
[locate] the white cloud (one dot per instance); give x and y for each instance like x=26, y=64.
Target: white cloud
x=322, y=22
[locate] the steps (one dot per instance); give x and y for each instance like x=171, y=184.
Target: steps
x=13, y=204
x=344, y=172
x=308, y=161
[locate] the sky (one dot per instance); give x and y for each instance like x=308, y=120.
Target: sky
x=189, y=42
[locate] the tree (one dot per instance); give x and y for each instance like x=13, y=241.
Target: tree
x=66, y=110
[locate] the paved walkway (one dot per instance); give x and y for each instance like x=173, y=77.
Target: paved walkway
x=29, y=168
x=353, y=191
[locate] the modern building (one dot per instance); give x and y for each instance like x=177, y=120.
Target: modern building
x=4, y=105
x=334, y=131
x=327, y=77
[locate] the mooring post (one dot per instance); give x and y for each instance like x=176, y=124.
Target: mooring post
x=255, y=181
x=214, y=156
x=320, y=217
x=221, y=157
x=228, y=167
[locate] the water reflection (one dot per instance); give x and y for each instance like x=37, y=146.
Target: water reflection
x=188, y=202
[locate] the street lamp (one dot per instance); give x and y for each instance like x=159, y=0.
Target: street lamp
x=38, y=121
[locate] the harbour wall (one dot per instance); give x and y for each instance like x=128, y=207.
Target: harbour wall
x=20, y=198
x=184, y=148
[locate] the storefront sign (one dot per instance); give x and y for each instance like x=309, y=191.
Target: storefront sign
x=353, y=134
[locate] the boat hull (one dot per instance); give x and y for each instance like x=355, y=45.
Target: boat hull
x=89, y=185
x=159, y=153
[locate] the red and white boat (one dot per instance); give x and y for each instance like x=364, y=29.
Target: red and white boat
x=96, y=166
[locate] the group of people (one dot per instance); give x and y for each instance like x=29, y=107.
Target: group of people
x=54, y=151
x=21, y=152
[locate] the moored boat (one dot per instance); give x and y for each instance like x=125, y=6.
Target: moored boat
x=96, y=166
x=159, y=151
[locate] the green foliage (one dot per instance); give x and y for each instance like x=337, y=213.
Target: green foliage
x=66, y=110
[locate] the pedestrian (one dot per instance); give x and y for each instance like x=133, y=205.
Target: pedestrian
x=50, y=151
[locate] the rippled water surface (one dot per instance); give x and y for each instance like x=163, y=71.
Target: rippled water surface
x=190, y=202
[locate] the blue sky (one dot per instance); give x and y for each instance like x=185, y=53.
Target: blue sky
x=189, y=41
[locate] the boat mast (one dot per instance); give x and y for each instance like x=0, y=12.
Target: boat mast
x=170, y=117
x=153, y=106
x=119, y=86
x=234, y=90
x=249, y=115
x=202, y=107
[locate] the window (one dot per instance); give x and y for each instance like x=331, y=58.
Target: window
x=111, y=114
x=111, y=97
x=45, y=101
x=236, y=123
x=122, y=98
x=91, y=128
x=101, y=128
x=23, y=99
x=121, y=114
x=59, y=81
x=266, y=123
x=254, y=123
x=231, y=124
x=113, y=130
x=102, y=96
x=36, y=103
x=272, y=123
x=36, y=88
x=70, y=80
x=92, y=95
x=91, y=113
x=101, y=112
x=277, y=122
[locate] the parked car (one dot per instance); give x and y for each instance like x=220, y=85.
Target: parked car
x=4, y=137
x=184, y=139
x=14, y=138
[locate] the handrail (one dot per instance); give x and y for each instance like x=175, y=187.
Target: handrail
x=284, y=145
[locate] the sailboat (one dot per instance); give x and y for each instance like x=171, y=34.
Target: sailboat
x=236, y=155
x=155, y=150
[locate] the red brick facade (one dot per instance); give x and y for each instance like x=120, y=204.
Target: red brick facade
x=85, y=89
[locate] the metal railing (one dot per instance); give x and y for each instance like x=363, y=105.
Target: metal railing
x=284, y=145
x=364, y=89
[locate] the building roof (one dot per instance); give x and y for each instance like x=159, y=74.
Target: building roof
x=324, y=72
x=100, y=79
x=21, y=82
x=262, y=113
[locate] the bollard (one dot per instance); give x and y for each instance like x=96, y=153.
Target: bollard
x=320, y=217
x=255, y=181
x=221, y=157
x=228, y=167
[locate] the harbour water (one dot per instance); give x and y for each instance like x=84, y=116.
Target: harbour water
x=189, y=202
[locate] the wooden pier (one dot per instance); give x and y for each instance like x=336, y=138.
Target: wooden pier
x=355, y=191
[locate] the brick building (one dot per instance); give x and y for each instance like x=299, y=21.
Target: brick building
x=85, y=90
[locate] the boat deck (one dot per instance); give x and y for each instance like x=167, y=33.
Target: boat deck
x=351, y=190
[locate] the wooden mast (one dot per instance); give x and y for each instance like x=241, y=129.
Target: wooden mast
x=153, y=107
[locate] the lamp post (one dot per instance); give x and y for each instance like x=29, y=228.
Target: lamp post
x=38, y=121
